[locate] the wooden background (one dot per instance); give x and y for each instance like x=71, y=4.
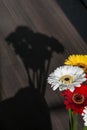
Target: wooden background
x=44, y=20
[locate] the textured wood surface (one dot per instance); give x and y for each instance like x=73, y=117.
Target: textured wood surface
x=44, y=20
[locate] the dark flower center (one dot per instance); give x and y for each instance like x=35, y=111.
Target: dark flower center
x=67, y=79
x=83, y=66
x=78, y=98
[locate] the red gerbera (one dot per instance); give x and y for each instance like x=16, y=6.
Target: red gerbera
x=76, y=100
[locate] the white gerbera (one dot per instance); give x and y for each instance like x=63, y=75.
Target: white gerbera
x=84, y=114
x=66, y=77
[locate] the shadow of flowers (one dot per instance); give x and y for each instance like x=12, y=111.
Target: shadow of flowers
x=35, y=51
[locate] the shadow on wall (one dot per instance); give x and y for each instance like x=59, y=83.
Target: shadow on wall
x=35, y=50
x=27, y=110
x=0, y=77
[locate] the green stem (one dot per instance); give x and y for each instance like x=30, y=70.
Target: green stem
x=75, y=121
x=84, y=128
x=70, y=119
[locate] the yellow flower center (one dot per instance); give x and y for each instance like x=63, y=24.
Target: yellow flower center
x=78, y=98
x=66, y=79
x=83, y=66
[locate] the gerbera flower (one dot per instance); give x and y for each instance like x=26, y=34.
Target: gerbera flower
x=66, y=77
x=77, y=100
x=77, y=60
x=84, y=114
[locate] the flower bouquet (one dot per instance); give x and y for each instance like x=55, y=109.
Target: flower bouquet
x=71, y=80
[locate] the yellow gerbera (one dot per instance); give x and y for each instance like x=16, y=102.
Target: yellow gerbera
x=77, y=60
